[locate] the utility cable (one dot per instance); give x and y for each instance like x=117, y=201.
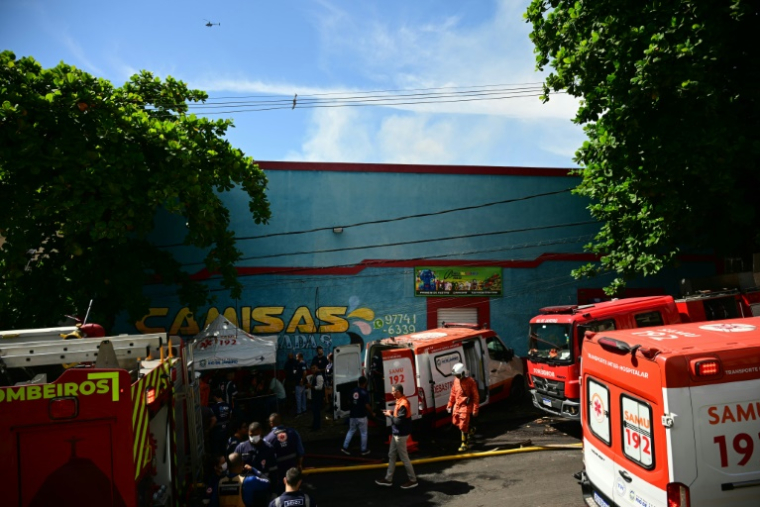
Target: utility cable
x=401, y=243
x=386, y=220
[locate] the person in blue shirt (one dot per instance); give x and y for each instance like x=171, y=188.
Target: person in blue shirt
x=299, y=373
x=236, y=490
x=293, y=496
x=216, y=467
x=258, y=454
x=222, y=413
x=241, y=435
x=288, y=448
x=359, y=409
x=320, y=361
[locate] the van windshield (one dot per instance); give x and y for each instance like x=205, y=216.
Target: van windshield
x=550, y=343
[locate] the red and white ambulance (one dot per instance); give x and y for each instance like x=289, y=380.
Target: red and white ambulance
x=671, y=415
x=421, y=363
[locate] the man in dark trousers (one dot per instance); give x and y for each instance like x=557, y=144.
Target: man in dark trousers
x=317, y=388
x=401, y=426
x=293, y=496
x=290, y=369
x=360, y=407
x=300, y=378
x=288, y=448
x=258, y=454
x=222, y=413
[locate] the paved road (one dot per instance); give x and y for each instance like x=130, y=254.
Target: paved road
x=528, y=479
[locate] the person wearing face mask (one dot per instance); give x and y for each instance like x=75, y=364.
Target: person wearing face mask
x=463, y=403
x=257, y=454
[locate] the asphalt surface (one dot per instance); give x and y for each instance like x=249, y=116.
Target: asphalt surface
x=531, y=479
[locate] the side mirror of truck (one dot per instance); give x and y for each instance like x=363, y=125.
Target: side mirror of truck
x=508, y=355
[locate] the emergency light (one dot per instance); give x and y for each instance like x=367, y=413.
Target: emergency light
x=705, y=367
x=150, y=395
x=63, y=408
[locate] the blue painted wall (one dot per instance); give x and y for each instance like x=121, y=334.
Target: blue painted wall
x=362, y=301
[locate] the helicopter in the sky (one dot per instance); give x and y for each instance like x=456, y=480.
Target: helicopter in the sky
x=210, y=24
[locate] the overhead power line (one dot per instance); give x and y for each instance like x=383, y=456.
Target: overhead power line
x=387, y=220
x=358, y=98
x=400, y=243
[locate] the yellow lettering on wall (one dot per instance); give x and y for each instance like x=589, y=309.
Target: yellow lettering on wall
x=184, y=323
x=230, y=314
x=330, y=314
x=245, y=317
x=142, y=326
x=302, y=314
x=266, y=315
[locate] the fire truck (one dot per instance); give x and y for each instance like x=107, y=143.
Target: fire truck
x=671, y=415
x=556, y=336
x=118, y=428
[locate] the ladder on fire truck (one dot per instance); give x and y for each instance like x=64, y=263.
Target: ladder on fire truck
x=50, y=352
x=111, y=352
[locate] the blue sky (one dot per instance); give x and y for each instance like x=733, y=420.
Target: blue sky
x=309, y=47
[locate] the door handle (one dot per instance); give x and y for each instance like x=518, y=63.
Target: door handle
x=625, y=475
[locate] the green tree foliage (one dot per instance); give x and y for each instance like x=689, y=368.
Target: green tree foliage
x=84, y=168
x=670, y=107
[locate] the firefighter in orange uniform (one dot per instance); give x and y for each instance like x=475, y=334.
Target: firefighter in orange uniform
x=463, y=403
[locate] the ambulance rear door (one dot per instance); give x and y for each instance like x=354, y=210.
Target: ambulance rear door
x=727, y=420
x=347, y=368
x=398, y=368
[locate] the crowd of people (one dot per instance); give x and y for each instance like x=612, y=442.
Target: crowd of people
x=254, y=463
x=253, y=456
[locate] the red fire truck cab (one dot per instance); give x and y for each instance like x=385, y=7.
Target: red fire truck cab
x=556, y=338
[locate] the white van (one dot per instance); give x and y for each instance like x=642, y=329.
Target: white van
x=421, y=363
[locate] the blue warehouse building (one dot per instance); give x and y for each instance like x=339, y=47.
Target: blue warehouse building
x=359, y=252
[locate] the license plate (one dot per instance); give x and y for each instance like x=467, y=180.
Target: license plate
x=599, y=501
x=547, y=402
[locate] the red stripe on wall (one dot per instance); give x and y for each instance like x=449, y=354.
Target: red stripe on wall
x=204, y=274
x=412, y=168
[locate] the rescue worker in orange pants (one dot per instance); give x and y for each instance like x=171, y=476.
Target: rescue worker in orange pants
x=463, y=403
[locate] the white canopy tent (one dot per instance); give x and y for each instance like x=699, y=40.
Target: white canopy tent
x=223, y=345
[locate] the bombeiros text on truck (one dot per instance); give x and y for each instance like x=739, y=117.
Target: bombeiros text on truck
x=107, y=421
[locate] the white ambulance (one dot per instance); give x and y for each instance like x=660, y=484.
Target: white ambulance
x=421, y=363
x=671, y=415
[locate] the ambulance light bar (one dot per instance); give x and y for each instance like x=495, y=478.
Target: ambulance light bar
x=705, y=367
x=678, y=495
